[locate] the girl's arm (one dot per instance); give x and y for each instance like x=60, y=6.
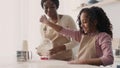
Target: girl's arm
x=92, y=61
x=44, y=20
x=69, y=33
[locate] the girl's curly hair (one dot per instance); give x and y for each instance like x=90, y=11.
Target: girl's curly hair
x=97, y=13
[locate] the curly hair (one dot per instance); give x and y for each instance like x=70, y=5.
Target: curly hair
x=56, y=2
x=104, y=24
x=98, y=14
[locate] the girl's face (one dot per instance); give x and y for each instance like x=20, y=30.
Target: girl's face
x=50, y=8
x=84, y=22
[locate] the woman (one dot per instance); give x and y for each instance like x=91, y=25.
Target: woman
x=61, y=45
x=95, y=37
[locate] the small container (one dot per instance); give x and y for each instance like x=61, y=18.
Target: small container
x=23, y=56
x=44, y=58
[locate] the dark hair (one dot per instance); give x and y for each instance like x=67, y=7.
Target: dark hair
x=97, y=13
x=90, y=17
x=56, y=2
x=104, y=24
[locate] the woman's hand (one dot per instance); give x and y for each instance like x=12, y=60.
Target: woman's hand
x=39, y=54
x=43, y=19
x=57, y=49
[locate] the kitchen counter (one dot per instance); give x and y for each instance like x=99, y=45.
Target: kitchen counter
x=48, y=64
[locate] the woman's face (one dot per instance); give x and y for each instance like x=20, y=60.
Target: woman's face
x=84, y=22
x=50, y=8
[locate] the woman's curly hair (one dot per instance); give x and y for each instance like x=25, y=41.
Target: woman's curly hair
x=98, y=14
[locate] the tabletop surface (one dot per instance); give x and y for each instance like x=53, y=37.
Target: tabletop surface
x=48, y=64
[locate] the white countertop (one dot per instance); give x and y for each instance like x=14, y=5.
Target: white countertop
x=48, y=64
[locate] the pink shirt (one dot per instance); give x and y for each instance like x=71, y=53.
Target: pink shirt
x=103, y=45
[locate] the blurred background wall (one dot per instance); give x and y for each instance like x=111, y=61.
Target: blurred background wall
x=19, y=20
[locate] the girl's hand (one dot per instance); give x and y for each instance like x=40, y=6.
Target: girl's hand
x=77, y=62
x=73, y=62
x=43, y=19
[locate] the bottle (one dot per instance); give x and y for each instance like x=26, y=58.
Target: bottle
x=25, y=45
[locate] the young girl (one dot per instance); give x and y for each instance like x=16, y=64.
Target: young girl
x=95, y=36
